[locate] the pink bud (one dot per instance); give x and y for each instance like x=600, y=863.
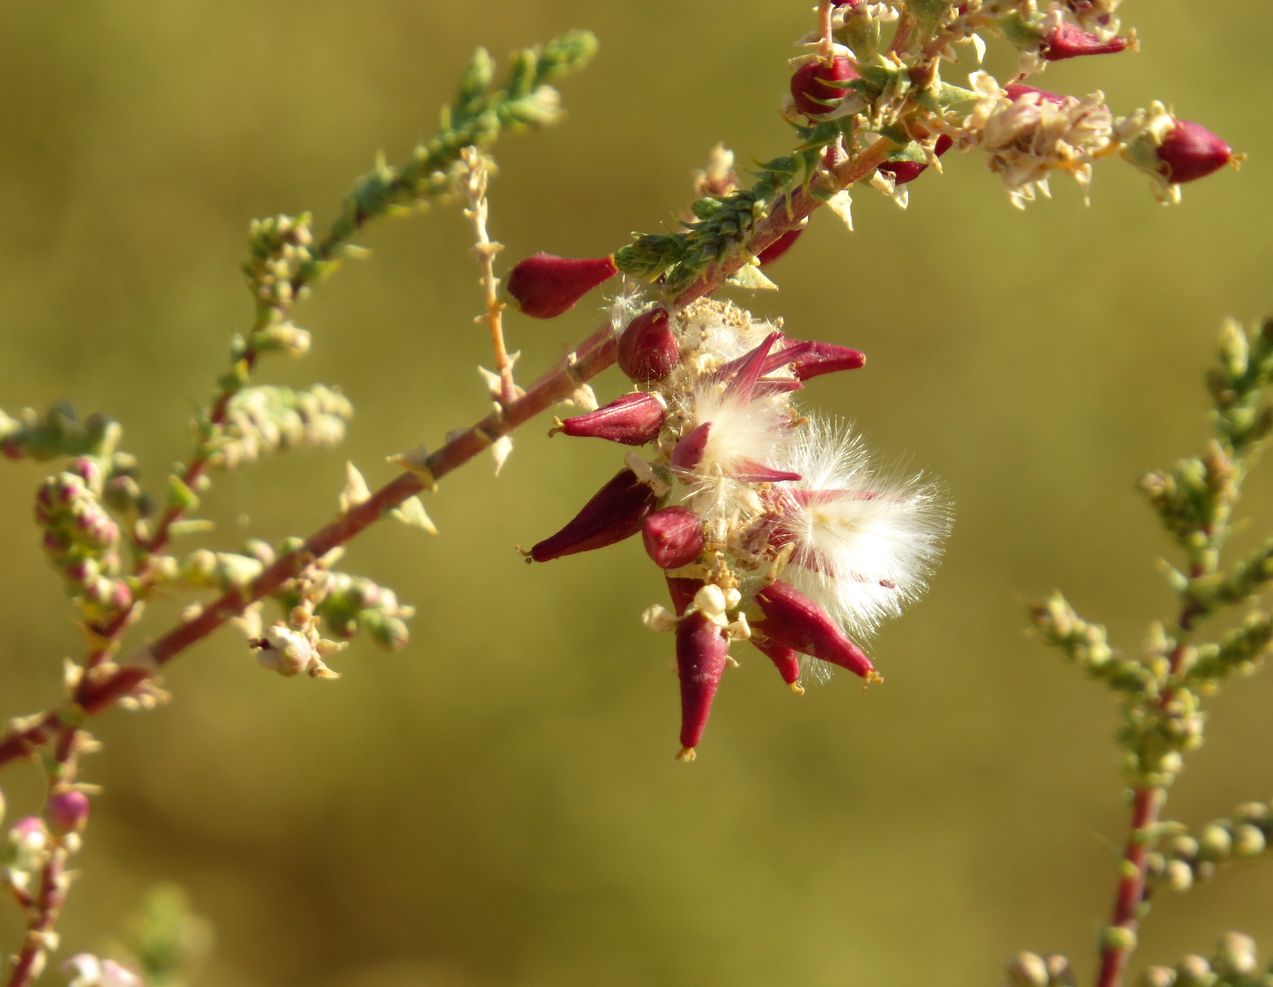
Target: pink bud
x=779, y=247
x=682, y=591
x=1071, y=41
x=817, y=358
x=1016, y=90
x=67, y=811
x=701, y=650
x=632, y=420
x=1191, y=151
x=689, y=449
x=786, y=660
x=673, y=537
x=794, y=620
x=908, y=171
x=811, y=85
x=648, y=349
x=545, y=285
x=614, y=513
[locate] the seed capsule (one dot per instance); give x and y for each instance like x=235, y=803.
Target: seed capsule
x=908, y=171
x=648, y=349
x=794, y=620
x=673, y=537
x=1016, y=90
x=811, y=86
x=632, y=420
x=614, y=513
x=546, y=285
x=701, y=650
x=779, y=247
x=1190, y=151
x=785, y=659
x=818, y=358
x=1071, y=41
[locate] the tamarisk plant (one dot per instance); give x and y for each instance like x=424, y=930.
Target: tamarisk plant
x=770, y=523
x=1163, y=690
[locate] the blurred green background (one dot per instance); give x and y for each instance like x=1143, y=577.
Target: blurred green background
x=499, y=803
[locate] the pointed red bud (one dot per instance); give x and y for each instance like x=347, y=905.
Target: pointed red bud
x=648, y=349
x=794, y=620
x=688, y=451
x=1016, y=90
x=673, y=537
x=779, y=247
x=632, y=420
x=818, y=358
x=908, y=171
x=614, y=513
x=786, y=660
x=1191, y=151
x=701, y=651
x=811, y=85
x=1071, y=41
x=545, y=285
x=682, y=591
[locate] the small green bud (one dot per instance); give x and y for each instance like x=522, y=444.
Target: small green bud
x=1194, y=971
x=1178, y=875
x=1248, y=840
x=1118, y=937
x=1236, y=955
x=1215, y=843
x=1027, y=970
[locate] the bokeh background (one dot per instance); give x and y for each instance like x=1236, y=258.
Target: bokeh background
x=498, y=804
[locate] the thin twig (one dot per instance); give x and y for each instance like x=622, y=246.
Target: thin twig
x=1147, y=806
x=485, y=250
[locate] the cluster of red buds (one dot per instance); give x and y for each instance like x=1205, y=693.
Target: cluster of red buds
x=855, y=75
x=769, y=527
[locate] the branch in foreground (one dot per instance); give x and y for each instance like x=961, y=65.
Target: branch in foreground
x=108, y=683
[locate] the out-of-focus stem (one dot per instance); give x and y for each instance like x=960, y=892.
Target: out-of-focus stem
x=1147, y=806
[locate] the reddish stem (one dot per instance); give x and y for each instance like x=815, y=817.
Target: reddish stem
x=48, y=902
x=1147, y=805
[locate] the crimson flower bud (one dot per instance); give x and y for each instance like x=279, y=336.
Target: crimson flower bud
x=794, y=620
x=632, y=420
x=701, y=650
x=1071, y=41
x=779, y=247
x=1016, y=90
x=786, y=660
x=614, y=513
x=1191, y=151
x=648, y=349
x=673, y=537
x=545, y=285
x=682, y=591
x=908, y=171
x=67, y=811
x=812, y=89
x=817, y=358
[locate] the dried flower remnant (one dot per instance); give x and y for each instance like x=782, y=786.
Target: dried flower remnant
x=755, y=513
